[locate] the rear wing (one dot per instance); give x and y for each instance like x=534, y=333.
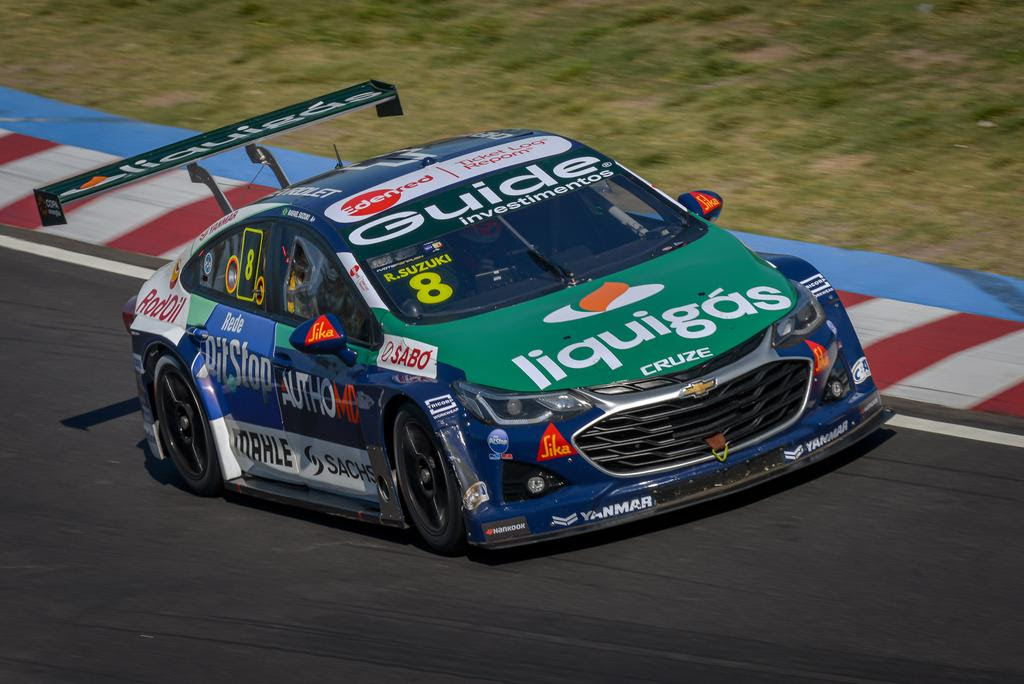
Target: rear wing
x=52, y=198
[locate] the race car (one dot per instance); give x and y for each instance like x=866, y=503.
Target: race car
x=496, y=338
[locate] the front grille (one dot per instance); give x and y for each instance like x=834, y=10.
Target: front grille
x=704, y=369
x=672, y=432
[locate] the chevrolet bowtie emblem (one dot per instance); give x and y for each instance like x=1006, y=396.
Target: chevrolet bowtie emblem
x=698, y=388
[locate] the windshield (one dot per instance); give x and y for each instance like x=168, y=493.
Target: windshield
x=595, y=225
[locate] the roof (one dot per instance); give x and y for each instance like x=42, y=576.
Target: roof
x=315, y=194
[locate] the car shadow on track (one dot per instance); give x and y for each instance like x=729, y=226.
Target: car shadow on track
x=163, y=471
x=689, y=514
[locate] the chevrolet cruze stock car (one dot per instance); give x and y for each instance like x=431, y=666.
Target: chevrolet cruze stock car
x=496, y=338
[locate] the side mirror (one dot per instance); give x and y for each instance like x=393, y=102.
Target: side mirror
x=703, y=203
x=323, y=335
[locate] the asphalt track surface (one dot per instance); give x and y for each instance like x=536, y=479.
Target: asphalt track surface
x=898, y=560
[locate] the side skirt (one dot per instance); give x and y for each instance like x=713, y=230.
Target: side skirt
x=310, y=499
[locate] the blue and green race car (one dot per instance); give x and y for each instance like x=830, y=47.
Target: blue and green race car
x=496, y=339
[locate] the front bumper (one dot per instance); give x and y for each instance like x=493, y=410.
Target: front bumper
x=666, y=496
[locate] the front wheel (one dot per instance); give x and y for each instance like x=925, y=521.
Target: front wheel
x=184, y=430
x=428, y=485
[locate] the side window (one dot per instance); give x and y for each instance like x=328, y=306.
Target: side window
x=235, y=266
x=314, y=284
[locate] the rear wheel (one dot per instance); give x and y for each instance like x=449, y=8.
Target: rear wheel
x=428, y=484
x=184, y=430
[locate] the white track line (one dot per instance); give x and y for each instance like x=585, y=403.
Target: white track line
x=961, y=431
x=111, y=266
x=67, y=256
x=877, y=319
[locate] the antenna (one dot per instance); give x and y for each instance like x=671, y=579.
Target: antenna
x=338, y=156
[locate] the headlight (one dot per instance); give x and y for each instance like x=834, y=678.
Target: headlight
x=806, y=317
x=513, y=408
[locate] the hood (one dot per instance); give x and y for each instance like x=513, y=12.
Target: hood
x=663, y=316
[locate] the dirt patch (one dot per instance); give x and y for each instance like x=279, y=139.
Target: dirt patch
x=169, y=99
x=919, y=58
x=768, y=54
x=841, y=163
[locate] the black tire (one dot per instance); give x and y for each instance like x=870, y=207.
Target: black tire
x=184, y=429
x=428, y=485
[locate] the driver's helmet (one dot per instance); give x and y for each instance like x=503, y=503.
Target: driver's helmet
x=299, y=295
x=484, y=233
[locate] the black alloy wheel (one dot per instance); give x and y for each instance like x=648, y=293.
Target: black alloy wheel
x=428, y=484
x=184, y=431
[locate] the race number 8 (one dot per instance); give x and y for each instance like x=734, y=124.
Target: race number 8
x=429, y=288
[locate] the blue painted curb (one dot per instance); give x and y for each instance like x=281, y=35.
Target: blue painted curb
x=878, y=275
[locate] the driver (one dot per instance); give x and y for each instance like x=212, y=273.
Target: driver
x=484, y=249
x=299, y=296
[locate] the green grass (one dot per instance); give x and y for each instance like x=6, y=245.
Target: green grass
x=851, y=123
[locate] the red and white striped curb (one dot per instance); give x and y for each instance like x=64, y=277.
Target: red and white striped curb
x=918, y=352
x=155, y=216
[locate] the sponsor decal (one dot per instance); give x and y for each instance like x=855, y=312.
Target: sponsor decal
x=794, y=453
x=231, y=275
x=861, y=371
x=513, y=527
x=820, y=354
x=553, y=445
x=232, y=322
x=608, y=297
x=161, y=308
x=319, y=396
x=707, y=202
x=621, y=508
x=264, y=448
x=48, y=206
x=698, y=388
x=408, y=356
x=719, y=446
x=231, y=364
x=440, y=407
x=379, y=199
x=321, y=330
x=325, y=465
x=405, y=379
x=497, y=440
x=818, y=285
x=430, y=247
x=355, y=271
x=677, y=360
x=517, y=192
x=218, y=224
x=685, y=321
x=832, y=326
x=306, y=191
x=421, y=266
x=175, y=272
x=564, y=520
x=296, y=214
x=870, y=405
x=440, y=175
x=806, y=447
x=208, y=264
x=252, y=129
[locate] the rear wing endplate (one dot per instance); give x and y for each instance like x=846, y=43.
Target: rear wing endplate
x=52, y=198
